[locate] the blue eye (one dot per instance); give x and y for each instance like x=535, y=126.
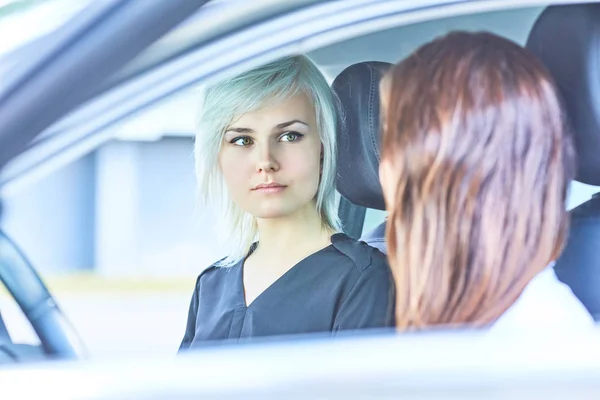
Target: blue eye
x=290, y=137
x=242, y=141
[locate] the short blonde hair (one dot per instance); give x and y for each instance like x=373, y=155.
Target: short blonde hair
x=245, y=93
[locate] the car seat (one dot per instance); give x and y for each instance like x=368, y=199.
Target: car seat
x=567, y=40
x=357, y=87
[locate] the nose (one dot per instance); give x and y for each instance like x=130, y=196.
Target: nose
x=266, y=159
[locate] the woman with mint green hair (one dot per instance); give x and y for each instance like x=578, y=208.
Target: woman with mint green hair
x=266, y=163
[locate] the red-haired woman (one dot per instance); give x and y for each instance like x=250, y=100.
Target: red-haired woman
x=477, y=159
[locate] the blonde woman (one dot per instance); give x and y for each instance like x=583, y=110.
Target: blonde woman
x=266, y=162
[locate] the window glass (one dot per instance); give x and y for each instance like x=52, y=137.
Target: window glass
x=118, y=235
x=580, y=193
x=373, y=218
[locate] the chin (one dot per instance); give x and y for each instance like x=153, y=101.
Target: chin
x=272, y=211
x=270, y=214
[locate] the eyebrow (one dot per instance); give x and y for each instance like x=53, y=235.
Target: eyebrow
x=292, y=122
x=239, y=130
x=278, y=126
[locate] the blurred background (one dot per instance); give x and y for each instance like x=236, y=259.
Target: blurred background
x=114, y=229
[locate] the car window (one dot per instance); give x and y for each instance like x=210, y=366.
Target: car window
x=116, y=230
x=580, y=193
x=119, y=231
x=373, y=218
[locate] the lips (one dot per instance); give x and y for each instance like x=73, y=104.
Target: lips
x=272, y=187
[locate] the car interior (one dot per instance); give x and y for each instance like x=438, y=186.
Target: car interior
x=565, y=39
x=355, y=67
x=573, y=67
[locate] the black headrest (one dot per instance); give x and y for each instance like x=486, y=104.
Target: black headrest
x=358, y=138
x=567, y=40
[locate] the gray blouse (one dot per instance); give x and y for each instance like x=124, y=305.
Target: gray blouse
x=345, y=286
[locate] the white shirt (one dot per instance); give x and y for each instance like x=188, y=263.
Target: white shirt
x=546, y=303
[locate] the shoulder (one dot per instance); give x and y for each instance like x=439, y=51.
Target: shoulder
x=362, y=256
x=546, y=303
x=213, y=274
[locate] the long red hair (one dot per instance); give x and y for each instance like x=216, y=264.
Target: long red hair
x=480, y=159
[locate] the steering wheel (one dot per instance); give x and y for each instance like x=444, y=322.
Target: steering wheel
x=57, y=336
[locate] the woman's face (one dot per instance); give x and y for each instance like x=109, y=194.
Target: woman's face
x=271, y=158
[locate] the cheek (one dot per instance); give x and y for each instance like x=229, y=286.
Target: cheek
x=304, y=165
x=234, y=167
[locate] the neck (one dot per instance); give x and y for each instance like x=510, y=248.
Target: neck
x=303, y=231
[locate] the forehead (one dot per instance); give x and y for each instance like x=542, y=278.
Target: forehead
x=298, y=106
